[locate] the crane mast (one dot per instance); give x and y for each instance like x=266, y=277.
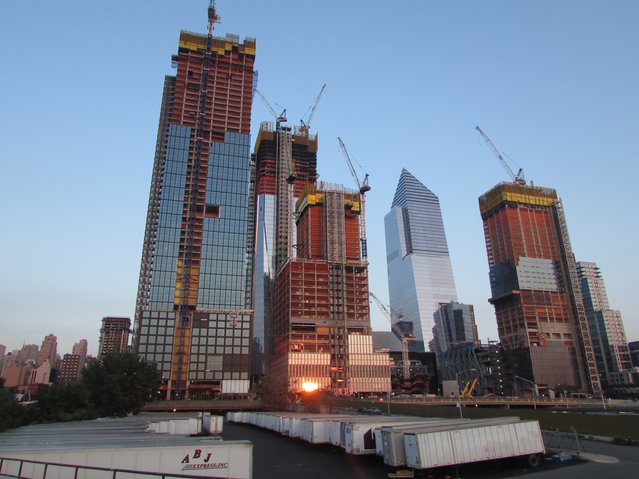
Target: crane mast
x=404, y=337
x=363, y=188
x=517, y=178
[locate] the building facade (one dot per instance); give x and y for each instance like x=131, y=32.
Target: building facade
x=49, y=350
x=3, y=350
x=193, y=316
x=81, y=348
x=535, y=292
x=606, y=326
x=70, y=368
x=284, y=162
x=28, y=353
x=420, y=275
x=322, y=333
x=455, y=326
x=633, y=348
x=479, y=369
x=114, y=335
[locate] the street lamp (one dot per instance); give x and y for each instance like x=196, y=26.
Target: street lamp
x=534, y=389
x=459, y=405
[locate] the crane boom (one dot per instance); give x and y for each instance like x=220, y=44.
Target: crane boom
x=281, y=118
x=397, y=331
x=363, y=188
x=307, y=125
x=213, y=17
x=517, y=178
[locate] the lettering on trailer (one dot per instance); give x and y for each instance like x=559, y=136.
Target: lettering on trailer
x=201, y=461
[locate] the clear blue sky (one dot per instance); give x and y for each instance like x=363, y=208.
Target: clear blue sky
x=554, y=84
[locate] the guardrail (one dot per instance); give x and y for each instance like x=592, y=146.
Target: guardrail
x=64, y=470
x=501, y=401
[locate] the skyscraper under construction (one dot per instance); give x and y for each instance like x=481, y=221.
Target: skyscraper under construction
x=193, y=316
x=312, y=323
x=285, y=162
x=322, y=333
x=533, y=276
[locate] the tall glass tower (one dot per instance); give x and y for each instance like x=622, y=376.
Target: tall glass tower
x=420, y=275
x=193, y=316
x=605, y=324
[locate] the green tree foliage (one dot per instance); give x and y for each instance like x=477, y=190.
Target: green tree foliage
x=316, y=400
x=11, y=413
x=120, y=384
x=62, y=402
x=274, y=392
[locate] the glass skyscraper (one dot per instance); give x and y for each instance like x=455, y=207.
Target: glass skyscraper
x=193, y=316
x=606, y=326
x=454, y=327
x=420, y=275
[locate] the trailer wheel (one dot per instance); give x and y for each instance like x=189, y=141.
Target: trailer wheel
x=534, y=461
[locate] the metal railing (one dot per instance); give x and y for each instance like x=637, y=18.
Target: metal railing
x=56, y=469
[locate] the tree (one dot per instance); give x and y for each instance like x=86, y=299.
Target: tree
x=314, y=401
x=62, y=402
x=11, y=413
x=120, y=384
x=273, y=389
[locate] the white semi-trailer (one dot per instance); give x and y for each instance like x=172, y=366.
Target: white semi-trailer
x=359, y=437
x=232, y=459
x=391, y=439
x=473, y=443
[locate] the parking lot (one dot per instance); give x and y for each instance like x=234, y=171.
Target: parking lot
x=276, y=457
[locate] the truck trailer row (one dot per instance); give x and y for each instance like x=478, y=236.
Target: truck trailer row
x=419, y=443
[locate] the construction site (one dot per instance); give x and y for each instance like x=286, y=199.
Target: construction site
x=322, y=317
x=186, y=322
x=540, y=314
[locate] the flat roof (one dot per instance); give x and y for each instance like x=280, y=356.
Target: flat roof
x=127, y=432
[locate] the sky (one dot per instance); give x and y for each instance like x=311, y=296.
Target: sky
x=554, y=84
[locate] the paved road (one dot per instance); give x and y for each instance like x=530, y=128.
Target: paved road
x=276, y=457
x=627, y=467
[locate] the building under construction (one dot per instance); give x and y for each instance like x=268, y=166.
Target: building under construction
x=540, y=314
x=284, y=163
x=322, y=334
x=193, y=316
x=114, y=336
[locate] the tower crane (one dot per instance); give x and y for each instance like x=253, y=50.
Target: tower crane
x=306, y=125
x=363, y=188
x=517, y=178
x=281, y=118
x=213, y=17
x=285, y=180
x=403, y=336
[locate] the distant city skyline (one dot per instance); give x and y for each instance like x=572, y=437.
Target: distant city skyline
x=556, y=92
